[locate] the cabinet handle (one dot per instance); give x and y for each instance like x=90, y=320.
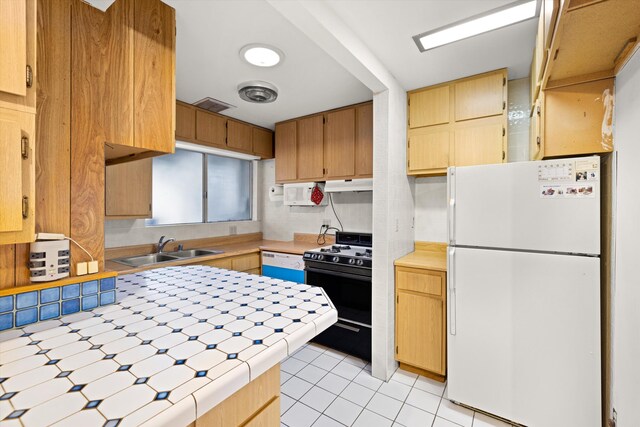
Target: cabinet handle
x=25, y=207
x=29, y=76
x=538, y=141
x=451, y=297
x=503, y=155
x=25, y=147
x=504, y=105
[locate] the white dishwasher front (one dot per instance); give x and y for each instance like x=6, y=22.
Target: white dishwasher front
x=283, y=266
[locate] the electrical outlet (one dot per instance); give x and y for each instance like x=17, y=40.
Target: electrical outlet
x=93, y=267
x=326, y=222
x=233, y=229
x=81, y=268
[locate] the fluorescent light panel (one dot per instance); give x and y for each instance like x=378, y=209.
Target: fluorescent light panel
x=489, y=21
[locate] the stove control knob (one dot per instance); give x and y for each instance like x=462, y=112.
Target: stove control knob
x=314, y=256
x=320, y=257
x=360, y=262
x=335, y=259
x=352, y=261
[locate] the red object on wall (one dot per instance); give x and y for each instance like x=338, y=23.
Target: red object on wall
x=317, y=195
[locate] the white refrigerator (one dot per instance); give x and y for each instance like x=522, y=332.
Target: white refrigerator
x=523, y=298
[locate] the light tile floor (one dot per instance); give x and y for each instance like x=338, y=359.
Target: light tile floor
x=322, y=387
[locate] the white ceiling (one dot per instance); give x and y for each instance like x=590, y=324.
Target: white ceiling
x=212, y=32
x=387, y=27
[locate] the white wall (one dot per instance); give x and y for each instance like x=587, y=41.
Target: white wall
x=626, y=287
x=279, y=222
x=431, y=193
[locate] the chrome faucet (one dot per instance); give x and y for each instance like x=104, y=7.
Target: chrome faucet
x=162, y=243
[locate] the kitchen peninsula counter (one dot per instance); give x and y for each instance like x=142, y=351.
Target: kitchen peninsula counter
x=178, y=342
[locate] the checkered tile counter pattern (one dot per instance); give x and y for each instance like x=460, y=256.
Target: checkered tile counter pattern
x=178, y=341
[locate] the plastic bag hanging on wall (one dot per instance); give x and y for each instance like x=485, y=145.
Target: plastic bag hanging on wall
x=317, y=195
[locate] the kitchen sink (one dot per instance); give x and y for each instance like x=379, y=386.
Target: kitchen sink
x=191, y=253
x=150, y=259
x=141, y=260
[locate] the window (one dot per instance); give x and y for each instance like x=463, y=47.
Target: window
x=193, y=187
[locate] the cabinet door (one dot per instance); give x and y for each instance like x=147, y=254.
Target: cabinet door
x=262, y=143
x=340, y=143
x=185, y=122
x=310, y=148
x=239, y=136
x=420, y=331
x=286, y=147
x=128, y=189
x=17, y=183
x=429, y=107
x=154, y=41
x=479, y=142
x=18, y=53
x=211, y=129
x=429, y=149
x=364, y=140
x=480, y=96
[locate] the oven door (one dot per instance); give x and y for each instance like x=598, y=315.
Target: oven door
x=350, y=293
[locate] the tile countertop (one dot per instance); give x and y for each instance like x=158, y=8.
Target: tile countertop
x=177, y=339
x=232, y=249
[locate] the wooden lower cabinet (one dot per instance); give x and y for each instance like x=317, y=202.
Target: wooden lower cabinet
x=256, y=405
x=249, y=263
x=421, y=320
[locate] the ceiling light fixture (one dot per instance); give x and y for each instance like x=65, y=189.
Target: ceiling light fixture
x=261, y=55
x=478, y=24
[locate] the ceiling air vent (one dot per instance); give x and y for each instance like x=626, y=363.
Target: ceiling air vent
x=258, y=92
x=213, y=105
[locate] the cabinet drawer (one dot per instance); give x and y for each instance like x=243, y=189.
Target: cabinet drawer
x=245, y=262
x=423, y=281
x=219, y=263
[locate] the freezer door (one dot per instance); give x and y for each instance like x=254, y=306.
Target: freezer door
x=526, y=344
x=502, y=206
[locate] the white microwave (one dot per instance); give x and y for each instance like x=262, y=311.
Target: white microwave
x=299, y=194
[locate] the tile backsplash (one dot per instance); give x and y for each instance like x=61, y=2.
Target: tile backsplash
x=23, y=308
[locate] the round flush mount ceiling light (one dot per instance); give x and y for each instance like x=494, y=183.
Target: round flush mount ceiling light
x=261, y=55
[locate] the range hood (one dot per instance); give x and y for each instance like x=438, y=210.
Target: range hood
x=349, y=185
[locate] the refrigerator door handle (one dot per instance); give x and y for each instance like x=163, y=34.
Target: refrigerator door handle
x=451, y=190
x=451, y=284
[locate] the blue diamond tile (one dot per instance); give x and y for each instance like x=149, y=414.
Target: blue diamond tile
x=211, y=346
x=16, y=414
x=279, y=330
x=162, y=395
x=52, y=362
x=219, y=326
x=175, y=331
x=45, y=351
x=119, y=327
x=77, y=387
x=93, y=404
x=257, y=341
x=162, y=351
x=181, y=362
x=124, y=368
x=232, y=356
x=133, y=334
x=258, y=324
x=141, y=380
x=202, y=320
x=145, y=342
x=8, y=396
x=193, y=338
x=240, y=317
x=201, y=374
x=109, y=356
x=112, y=423
x=237, y=334
x=64, y=374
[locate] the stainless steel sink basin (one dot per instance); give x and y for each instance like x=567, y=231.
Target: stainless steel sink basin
x=192, y=253
x=141, y=260
x=150, y=259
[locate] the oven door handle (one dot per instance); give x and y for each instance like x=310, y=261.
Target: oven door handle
x=338, y=274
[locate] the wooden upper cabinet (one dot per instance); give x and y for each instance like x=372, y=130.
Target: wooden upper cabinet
x=185, y=122
x=480, y=96
x=479, y=141
x=310, y=150
x=128, y=189
x=364, y=140
x=429, y=107
x=286, y=151
x=339, y=144
x=239, y=136
x=18, y=57
x=262, y=143
x=429, y=149
x=17, y=185
x=154, y=95
x=211, y=129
